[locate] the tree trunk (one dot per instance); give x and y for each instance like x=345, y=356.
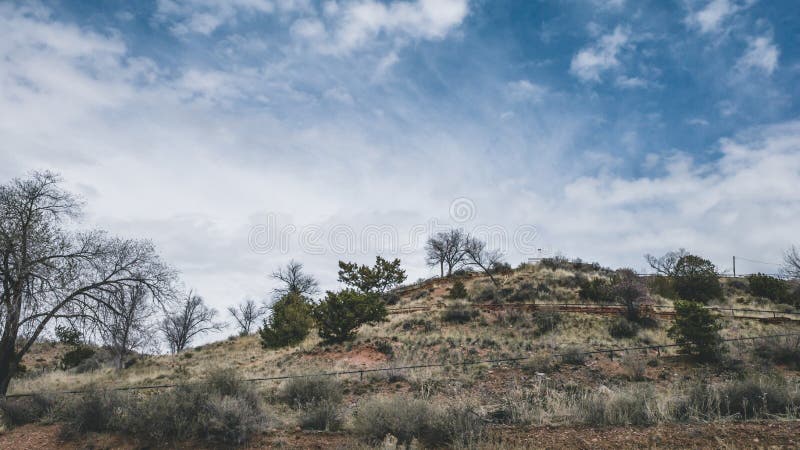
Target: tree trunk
x=441, y=269
x=8, y=362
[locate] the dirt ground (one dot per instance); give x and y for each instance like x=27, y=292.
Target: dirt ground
x=752, y=435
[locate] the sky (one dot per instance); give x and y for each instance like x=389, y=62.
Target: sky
x=240, y=135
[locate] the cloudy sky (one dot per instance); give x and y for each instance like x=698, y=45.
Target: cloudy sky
x=238, y=135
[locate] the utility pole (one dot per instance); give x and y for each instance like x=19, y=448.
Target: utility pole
x=734, y=267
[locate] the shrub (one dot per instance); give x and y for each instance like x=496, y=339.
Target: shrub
x=633, y=406
x=623, y=328
x=523, y=294
x=459, y=313
x=546, y=321
x=663, y=286
x=75, y=357
x=289, y=323
x=768, y=287
x=574, y=355
x=695, y=279
x=24, y=410
x=297, y=392
x=595, y=290
x=782, y=350
x=384, y=347
x=230, y=419
x=750, y=398
x=628, y=289
x=696, y=331
x=457, y=291
x=391, y=298
x=540, y=364
x=324, y=415
x=221, y=409
x=484, y=294
x=420, y=324
x=407, y=419
x=94, y=411
x=635, y=366
x=339, y=316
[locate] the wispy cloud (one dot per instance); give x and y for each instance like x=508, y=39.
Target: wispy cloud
x=761, y=54
x=524, y=90
x=712, y=17
x=591, y=62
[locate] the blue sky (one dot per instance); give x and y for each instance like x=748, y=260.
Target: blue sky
x=615, y=128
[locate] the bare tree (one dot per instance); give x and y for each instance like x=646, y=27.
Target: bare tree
x=476, y=254
x=49, y=273
x=792, y=262
x=125, y=322
x=294, y=280
x=190, y=319
x=246, y=315
x=446, y=248
x=665, y=265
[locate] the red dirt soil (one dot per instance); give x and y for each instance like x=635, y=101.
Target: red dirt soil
x=751, y=435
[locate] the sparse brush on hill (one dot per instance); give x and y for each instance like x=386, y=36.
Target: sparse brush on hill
x=745, y=399
x=459, y=313
x=222, y=409
x=546, y=321
x=318, y=399
x=623, y=328
x=457, y=291
x=595, y=290
x=408, y=419
x=24, y=410
x=782, y=350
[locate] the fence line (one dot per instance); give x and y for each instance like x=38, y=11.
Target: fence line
x=361, y=372
x=588, y=306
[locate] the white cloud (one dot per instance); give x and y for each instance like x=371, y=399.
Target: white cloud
x=354, y=24
x=590, y=63
x=761, y=54
x=631, y=82
x=524, y=90
x=156, y=157
x=697, y=121
x=713, y=15
x=689, y=206
x=205, y=16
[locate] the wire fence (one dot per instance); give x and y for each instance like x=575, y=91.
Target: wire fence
x=361, y=372
x=769, y=315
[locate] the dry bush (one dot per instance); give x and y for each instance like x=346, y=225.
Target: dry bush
x=634, y=366
x=745, y=399
x=24, y=410
x=221, y=409
x=782, y=350
x=309, y=390
x=318, y=399
x=632, y=406
x=623, y=328
x=323, y=415
x=409, y=419
x=541, y=363
x=459, y=313
x=547, y=321
x=574, y=355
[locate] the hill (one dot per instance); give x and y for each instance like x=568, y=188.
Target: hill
x=531, y=352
